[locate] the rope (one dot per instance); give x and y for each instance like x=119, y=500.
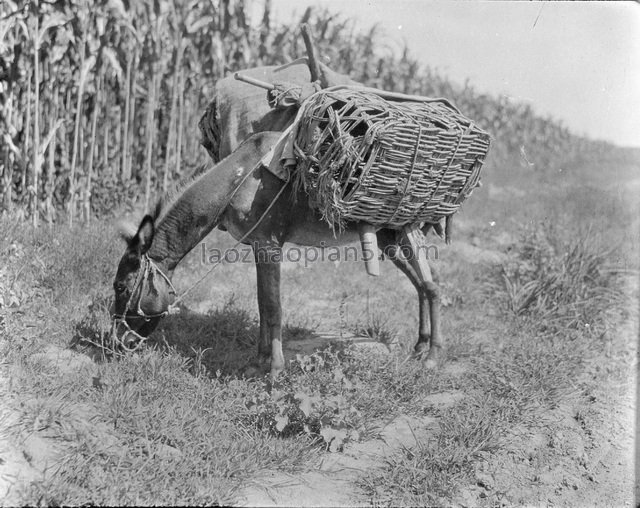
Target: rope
x=238, y=243
x=150, y=268
x=121, y=345
x=281, y=97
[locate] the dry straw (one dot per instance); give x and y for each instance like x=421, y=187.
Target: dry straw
x=388, y=163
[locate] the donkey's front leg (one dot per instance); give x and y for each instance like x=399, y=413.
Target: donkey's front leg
x=270, y=343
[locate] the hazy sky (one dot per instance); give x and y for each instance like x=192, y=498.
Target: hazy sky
x=579, y=62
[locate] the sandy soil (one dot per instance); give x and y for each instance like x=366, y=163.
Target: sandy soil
x=534, y=469
x=561, y=463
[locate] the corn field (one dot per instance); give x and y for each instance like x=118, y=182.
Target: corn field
x=99, y=101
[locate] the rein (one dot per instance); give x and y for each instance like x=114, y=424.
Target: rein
x=238, y=243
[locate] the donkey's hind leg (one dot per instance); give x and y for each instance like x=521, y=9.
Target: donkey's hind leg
x=413, y=263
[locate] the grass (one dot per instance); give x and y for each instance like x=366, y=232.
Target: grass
x=429, y=474
x=187, y=420
x=377, y=327
x=162, y=436
x=564, y=298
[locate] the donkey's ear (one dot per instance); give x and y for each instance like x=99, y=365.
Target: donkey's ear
x=143, y=238
x=127, y=230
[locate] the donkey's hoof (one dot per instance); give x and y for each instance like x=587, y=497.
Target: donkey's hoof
x=429, y=355
x=275, y=373
x=421, y=349
x=264, y=361
x=251, y=371
x=433, y=358
x=430, y=363
x=255, y=368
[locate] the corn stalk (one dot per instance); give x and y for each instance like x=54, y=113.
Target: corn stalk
x=208, y=39
x=172, y=115
x=49, y=177
x=132, y=115
x=33, y=193
x=92, y=149
x=86, y=65
x=151, y=107
x=124, y=174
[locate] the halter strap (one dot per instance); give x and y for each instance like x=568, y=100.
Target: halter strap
x=146, y=272
x=150, y=268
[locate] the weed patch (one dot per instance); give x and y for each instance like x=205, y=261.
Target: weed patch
x=314, y=399
x=163, y=436
x=378, y=328
x=562, y=283
x=430, y=473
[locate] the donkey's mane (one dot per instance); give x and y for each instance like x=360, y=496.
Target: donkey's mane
x=169, y=199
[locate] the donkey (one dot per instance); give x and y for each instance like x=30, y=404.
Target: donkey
x=243, y=197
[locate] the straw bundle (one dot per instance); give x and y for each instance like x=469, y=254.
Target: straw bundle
x=363, y=158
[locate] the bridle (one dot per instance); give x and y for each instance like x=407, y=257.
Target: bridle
x=146, y=273
x=148, y=270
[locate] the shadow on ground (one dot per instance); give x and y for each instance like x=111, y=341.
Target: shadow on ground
x=225, y=340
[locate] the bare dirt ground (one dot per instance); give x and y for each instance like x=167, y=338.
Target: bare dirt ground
x=570, y=459
x=27, y=456
x=537, y=469
x=571, y=466
x=337, y=478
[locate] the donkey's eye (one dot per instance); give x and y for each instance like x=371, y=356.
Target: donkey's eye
x=119, y=287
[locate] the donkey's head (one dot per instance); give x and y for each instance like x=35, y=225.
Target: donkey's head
x=143, y=292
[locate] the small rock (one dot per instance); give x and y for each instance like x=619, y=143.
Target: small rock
x=548, y=478
x=467, y=498
x=570, y=482
x=444, y=399
x=485, y=480
x=166, y=451
x=406, y=431
x=64, y=360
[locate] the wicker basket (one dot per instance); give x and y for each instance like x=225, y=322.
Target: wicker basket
x=363, y=158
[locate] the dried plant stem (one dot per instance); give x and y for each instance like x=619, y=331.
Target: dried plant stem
x=132, y=116
x=106, y=133
x=33, y=195
x=76, y=133
x=150, y=135
x=27, y=141
x=180, y=124
x=172, y=116
x=49, y=183
x=124, y=176
x=92, y=144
